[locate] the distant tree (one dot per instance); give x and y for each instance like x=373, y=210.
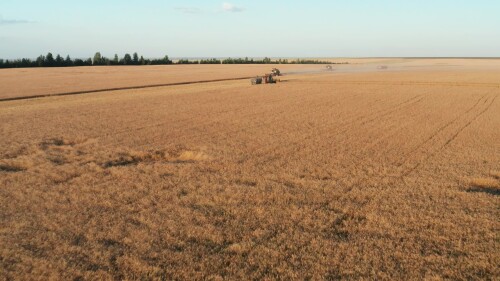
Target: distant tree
x=127, y=59
x=59, y=61
x=210, y=61
x=228, y=61
x=187, y=61
x=97, y=59
x=135, y=58
x=49, y=60
x=78, y=62
x=68, y=61
x=40, y=61
x=27, y=63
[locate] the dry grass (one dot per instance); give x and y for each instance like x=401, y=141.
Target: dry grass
x=489, y=185
x=339, y=176
x=13, y=165
x=495, y=174
x=485, y=183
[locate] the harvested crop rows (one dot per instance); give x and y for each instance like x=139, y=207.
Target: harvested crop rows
x=391, y=175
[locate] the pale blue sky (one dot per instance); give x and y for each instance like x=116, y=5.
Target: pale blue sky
x=277, y=28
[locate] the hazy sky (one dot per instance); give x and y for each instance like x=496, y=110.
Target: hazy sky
x=277, y=28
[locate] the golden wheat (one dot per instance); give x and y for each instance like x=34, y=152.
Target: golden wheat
x=327, y=176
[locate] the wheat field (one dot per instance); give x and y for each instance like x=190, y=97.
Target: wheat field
x=346, y=175
x=27, y=82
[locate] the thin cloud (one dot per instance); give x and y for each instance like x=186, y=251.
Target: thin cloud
x=228, y=7
x=188, y=10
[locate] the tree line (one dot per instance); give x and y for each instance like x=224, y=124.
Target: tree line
x=58, y=61
x=246, y=60
x=50, y=61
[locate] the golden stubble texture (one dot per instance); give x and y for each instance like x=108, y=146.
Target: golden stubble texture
x=371, y=175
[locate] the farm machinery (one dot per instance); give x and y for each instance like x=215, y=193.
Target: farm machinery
x=276, y=72
x=267, y=78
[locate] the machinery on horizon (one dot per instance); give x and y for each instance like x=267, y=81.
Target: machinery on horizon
x=267, y=78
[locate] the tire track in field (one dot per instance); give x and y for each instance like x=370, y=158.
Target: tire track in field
x=361, y=180
x=181, y=123
x=344, y=127
x=392, y=111
x=178, y=121
x=419, y=100
x=385, y=113
x=392, y=180
x=406, y=83
x=379, y=114
x=297, y=105
x=355, y=118
x=487, y=102
x=395, y=107
x=438, y=131
x=247, y=116
x=370, y=117
x=365, y=179
x=468, y=124
x=348, y=123
x=226, y=134
x=208, y=120
x=485, y=99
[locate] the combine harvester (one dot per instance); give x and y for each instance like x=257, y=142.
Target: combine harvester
x=267, y=78
x=271, y=77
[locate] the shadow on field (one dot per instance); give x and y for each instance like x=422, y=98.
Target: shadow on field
x=488, y=190
x=489, y=185
x=10, y=168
